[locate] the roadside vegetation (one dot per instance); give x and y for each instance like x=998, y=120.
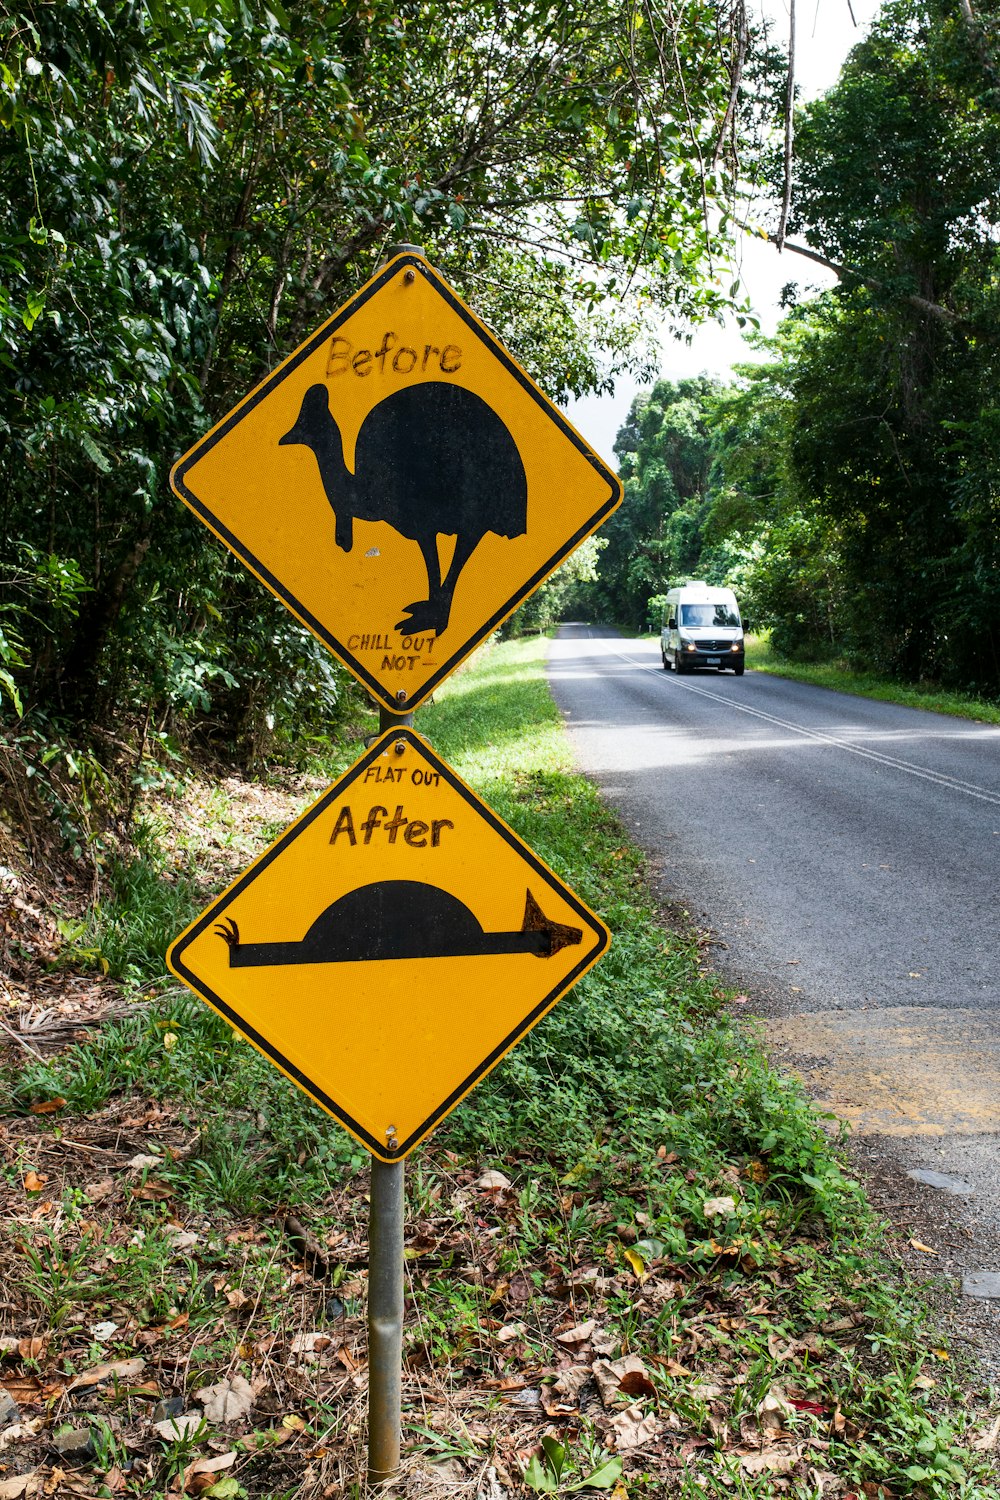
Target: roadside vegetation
x=636, y=1261
x=838, y=675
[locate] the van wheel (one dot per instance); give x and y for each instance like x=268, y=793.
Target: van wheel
x=679, y=666
x=738, y=671
x=663, y=658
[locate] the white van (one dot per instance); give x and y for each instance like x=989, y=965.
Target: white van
x=702, y=628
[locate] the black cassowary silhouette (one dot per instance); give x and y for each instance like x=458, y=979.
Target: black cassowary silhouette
x=431, y=460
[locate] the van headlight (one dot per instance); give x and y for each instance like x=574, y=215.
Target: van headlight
x=690, y=646
x=736, y=646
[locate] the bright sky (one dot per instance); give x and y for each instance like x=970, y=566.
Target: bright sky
x=825, y=33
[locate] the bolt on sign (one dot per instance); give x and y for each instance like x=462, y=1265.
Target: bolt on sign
x=391, y=946
x=399, y=482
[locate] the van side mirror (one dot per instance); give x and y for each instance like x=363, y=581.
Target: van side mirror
x=746, y=625
x=672, y=623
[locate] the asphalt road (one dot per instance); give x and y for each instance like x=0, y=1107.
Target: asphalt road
x=846, y=853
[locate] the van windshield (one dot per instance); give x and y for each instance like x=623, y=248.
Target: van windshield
x=708, y=615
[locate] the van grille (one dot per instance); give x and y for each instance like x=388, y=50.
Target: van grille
x=713, y=646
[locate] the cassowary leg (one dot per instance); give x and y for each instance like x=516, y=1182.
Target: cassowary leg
x=420, y=614
x=432, y=615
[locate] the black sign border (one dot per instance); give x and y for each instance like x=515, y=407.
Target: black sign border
x=178, y=480
x=176, y=964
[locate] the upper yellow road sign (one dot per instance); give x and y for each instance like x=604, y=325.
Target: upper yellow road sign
x=399, y=482
x=392, y=946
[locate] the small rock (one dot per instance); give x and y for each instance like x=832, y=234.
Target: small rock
x=982, y=1284
x=9, y=1410
x=73, y=1442
x=956, y=1185
x=172, y=1406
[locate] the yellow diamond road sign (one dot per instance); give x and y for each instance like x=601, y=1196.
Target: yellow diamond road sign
x=399, y=482
x=392, y=946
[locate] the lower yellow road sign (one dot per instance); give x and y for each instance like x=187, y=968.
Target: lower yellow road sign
x=391, y=946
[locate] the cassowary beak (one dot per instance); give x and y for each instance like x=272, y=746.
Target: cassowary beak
x=291, y=436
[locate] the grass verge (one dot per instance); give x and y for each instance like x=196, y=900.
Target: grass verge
x=842, y=679
x=635, y=1261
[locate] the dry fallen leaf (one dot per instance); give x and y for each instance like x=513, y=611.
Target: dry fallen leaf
x=33, y=1182
x=715, y=1208
x=229, y=1400
x=185, y=1425
x=46, y=1107
x=493, y=1182
x=32, y=1348
x=20, y=1432
x=578, y=1335
x=96, y=1191
x=632, y=1429
x=12, y=1489
x=310, y=1343
x=203, y=1469
x=919, y=1245
x=768, y=1463
x=609, y=1377
x=987, y=1441
x=119, y=1369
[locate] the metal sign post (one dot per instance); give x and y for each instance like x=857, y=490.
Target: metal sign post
x=385, y=1318
x=386, y=1221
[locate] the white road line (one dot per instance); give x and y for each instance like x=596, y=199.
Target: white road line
x=895, y=763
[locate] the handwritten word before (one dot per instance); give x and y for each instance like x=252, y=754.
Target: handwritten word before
x=342, y=356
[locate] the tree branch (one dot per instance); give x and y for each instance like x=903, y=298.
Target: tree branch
x=934, y=310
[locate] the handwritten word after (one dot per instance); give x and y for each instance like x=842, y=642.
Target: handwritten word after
x=342, y=356
x=414, y=830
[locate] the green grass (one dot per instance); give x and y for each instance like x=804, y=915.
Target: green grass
x=838, y=676
x=635, y=1102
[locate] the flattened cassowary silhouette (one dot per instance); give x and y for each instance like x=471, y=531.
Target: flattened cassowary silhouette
x=431, y=460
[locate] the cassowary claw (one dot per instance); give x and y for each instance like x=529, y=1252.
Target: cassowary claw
x=230, y=934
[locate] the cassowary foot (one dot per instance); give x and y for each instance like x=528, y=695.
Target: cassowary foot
x=425, y=617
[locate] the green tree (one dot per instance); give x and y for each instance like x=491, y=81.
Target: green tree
x=665, y=458
x=893, y=387
x=188, y=186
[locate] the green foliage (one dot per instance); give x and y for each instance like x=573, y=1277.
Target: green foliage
x=666, y=456
x=561, y=595
x=188, y=187
x=890, y=430
x=851, y=494
x=558, y=1471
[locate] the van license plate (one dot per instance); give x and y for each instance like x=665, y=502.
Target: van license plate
x=714, y=661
